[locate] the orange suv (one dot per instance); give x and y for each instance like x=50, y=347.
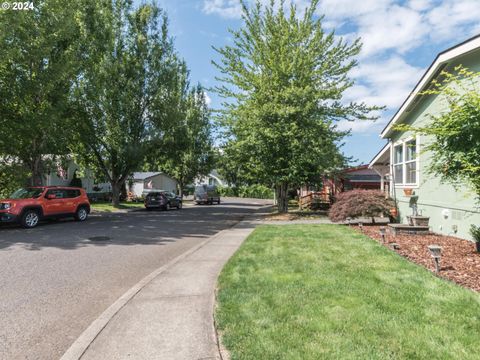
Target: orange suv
x=28, y=206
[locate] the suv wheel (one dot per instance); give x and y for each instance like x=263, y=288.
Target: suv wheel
x=167, y=207
x=179, y=206
x=81, y=214
x=30, y=219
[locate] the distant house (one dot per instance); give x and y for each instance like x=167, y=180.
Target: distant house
x=403, y=164
x=63, y=177
x=141, y=182
x=136, y=184
x=213, y=178
x=358, y=177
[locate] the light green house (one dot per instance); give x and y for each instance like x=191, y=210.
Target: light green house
x=403, y=164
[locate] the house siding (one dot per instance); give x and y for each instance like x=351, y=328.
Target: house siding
x=452, y=208
x=88, y=182
x=162, y=182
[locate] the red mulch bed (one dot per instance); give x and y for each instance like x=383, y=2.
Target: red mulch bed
x=459, y=263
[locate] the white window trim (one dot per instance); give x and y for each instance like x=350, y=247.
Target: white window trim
x=403, y=142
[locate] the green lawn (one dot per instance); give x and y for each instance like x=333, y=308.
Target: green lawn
x=326, y=292
x=107, y=206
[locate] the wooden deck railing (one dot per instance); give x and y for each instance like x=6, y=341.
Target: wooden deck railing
x=315, y=199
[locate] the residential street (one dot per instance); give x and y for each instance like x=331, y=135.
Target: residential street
x=54, y=281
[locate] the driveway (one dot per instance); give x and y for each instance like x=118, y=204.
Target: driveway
x=57, y=278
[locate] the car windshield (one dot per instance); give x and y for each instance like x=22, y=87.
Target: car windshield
x=27, y=193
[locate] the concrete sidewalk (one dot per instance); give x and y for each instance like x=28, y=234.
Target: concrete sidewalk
x=169, y=314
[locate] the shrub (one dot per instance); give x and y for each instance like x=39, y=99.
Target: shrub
x=475, y=232
x=251, y=191
x=360, y=203
x=188, y=190
x=227, y=191
x=255, y=192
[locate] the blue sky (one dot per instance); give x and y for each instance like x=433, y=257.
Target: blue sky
x=400, y=40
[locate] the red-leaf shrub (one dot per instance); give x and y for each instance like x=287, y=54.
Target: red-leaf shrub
x=360, y=203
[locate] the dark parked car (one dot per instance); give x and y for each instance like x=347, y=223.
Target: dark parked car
x=162, y=200
x=206, y=194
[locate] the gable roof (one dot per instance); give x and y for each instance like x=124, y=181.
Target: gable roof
x=436, y=67
x=144, y=175
x=382, y=158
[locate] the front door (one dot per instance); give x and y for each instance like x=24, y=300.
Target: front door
x=55, y=206
x=70, y=204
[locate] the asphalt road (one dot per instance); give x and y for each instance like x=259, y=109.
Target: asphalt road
x=54, y=281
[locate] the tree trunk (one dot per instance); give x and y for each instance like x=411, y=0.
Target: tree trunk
x=299, y=196
x=180, y=190
x=116, y=194
x=37, y=171
x=282, y=197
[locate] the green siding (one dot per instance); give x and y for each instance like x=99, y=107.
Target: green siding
x=451, y=208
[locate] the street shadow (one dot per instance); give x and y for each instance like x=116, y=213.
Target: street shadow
x=133, y=228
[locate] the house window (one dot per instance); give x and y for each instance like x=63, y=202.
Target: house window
x=398, y=163
x=405, y=162
x=411, y=162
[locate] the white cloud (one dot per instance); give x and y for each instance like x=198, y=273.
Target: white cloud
x=398, y=28
x=381, y=83
x=232, y=9
x=420, y=5
x=384, y=82
x=229, y=9
x=453, y=18
x=404, y=26
x=351, y=8
x=208, y=99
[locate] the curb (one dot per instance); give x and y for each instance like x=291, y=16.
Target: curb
x=80, y=346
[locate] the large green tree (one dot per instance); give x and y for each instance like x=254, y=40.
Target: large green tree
x=453, y=137
x=121, y=93
x=38, y=62
x=186, y=150
x=283, y=80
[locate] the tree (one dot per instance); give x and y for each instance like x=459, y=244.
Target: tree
x=120, y=94
x=454, y=135
x=187, y=149
x=283, y=80
x=37, y=66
